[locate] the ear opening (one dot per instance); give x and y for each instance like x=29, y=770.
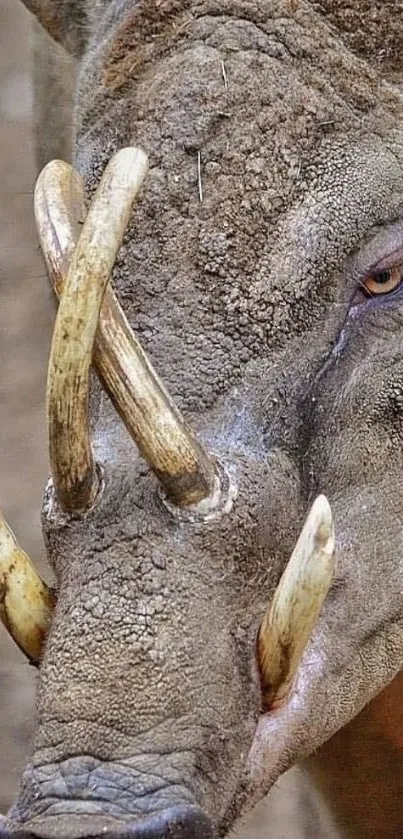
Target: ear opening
x=64, y=20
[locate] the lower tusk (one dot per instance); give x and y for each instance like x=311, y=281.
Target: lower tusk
x=185, y=470
x=297, y=602
x=72, y=464
x=26, y=603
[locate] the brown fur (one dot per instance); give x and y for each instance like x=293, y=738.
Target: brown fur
x=48, y=14
x=373, y=30
x=144, y=31
x=243, y=303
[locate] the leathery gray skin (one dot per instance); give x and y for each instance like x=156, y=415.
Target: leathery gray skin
x=149, y=719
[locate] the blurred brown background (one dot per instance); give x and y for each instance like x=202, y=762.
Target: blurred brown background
x=25, y=324
x=26, y=316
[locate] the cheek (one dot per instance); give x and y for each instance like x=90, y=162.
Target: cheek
x=351, y=458
x=351, y=440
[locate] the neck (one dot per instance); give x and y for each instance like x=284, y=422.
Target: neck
x=360, y=770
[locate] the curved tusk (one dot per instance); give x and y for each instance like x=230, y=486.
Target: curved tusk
x=59, y=214
x=297, y=602
x=72, y=464
x=151, y=417
x=26, y=603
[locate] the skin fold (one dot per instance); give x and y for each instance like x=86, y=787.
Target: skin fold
x=249, y=305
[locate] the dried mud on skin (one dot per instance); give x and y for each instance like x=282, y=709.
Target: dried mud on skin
x=26, y=317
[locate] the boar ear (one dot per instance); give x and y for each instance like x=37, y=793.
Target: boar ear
x=64, y=20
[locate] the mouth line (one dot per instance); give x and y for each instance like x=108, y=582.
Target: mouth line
x=179, y=822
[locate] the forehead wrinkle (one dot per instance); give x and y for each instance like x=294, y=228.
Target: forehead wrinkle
x=358, y=187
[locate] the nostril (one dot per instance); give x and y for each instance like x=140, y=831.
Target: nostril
x=180, y=822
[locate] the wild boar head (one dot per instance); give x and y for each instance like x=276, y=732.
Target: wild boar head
x=262, y=270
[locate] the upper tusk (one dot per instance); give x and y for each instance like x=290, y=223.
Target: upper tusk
x=72, y=464
x=297, y=602
x=162, y=435
x=59, y=213
x=26, y=603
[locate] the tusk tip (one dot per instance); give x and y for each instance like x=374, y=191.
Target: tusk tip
x=132, y=156
x=291, y=617
x=321, y=519
x=26, y=602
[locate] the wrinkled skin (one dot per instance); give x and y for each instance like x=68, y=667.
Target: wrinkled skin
x=248, y=304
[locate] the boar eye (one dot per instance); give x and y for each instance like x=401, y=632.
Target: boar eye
x=382, y=282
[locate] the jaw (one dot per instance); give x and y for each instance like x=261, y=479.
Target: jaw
x=286, y=734
x=324, y=699
x=179, y=822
